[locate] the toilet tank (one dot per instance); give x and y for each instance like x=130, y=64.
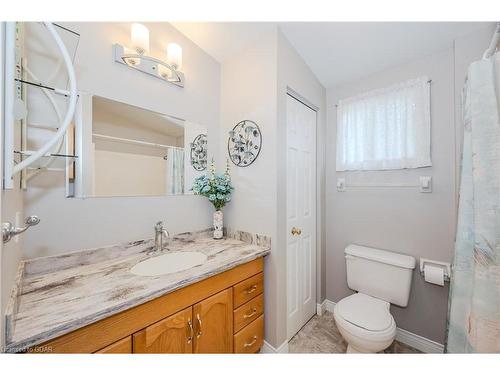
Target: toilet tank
x=379, y=273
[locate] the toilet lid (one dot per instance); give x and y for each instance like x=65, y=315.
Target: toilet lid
x=364, y=311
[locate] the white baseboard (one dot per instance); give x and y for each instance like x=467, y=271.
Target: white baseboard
x=418, y=342
x=269, y=349
x=321, y=308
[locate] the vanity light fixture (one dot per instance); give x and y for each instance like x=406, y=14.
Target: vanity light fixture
x=139, y=36
x=136, y=57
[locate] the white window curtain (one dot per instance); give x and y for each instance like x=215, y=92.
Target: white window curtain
x=387, y=128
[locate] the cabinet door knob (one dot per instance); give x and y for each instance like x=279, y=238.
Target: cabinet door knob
x=198, y=334
x=296, y=231
x=190, y=334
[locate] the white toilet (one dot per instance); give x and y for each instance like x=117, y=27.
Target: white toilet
x=380, y=277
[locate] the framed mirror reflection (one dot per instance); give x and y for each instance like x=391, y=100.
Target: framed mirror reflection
x=132, y=151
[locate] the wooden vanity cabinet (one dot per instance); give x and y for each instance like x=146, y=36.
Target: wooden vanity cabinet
x=123, y=346
x=170, y=335
x=213, y=321
x=206, y=327
x=220, y=314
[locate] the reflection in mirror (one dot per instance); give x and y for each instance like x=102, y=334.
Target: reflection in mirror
x=137, y=152
x=199, y=152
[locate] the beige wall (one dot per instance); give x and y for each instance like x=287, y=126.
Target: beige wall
x=73, y=224
x=125, y=169
x=402, y=219
x=122, y=174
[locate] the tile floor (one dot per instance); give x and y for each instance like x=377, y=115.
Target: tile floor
x=320, y=335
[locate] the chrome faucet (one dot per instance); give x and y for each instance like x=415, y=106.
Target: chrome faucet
x=160, y=233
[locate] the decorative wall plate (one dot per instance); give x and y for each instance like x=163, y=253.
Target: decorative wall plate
x=199, y=152
x=244, y=143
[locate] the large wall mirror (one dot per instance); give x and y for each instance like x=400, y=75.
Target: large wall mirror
x=137, y=152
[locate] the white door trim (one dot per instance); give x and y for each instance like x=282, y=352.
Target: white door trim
x=294, y=94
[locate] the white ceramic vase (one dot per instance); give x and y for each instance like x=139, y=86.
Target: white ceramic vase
x=218, y=224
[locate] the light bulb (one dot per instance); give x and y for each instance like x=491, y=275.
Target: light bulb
x=174, y=56
x=140, y=38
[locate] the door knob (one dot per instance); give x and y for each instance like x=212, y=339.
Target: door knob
x=296, y=231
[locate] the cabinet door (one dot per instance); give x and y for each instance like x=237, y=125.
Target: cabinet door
x=170, y=335
x=123, y=346
x=213, y=321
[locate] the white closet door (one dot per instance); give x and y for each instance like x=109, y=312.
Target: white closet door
x=301, y=214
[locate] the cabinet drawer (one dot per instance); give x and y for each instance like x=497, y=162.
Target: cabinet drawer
x=250, y=338
x=248, y=289
x=248, y=312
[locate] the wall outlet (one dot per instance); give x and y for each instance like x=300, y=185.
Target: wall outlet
x=341, y=184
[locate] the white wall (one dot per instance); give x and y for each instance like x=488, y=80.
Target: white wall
x=402, y=219
x=295, y=75
x=11, y=206
x=73, y=224
x=248, y=92
x=254, y=87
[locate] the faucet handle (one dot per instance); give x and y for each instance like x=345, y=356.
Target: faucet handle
x=159, y=226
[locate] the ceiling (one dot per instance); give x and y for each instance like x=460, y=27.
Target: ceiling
x=222, y=40
x=337, y=52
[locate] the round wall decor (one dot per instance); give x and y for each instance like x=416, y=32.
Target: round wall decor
x=244, y=143
x=199, y=152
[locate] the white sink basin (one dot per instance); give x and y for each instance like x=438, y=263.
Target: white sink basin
x=168, y=263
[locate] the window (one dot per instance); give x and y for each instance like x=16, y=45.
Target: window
x=387, y=128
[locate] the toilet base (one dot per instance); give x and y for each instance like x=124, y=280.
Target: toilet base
x=353, y=350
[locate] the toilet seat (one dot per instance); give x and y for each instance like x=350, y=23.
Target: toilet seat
x=366, y=312
x=365, y=323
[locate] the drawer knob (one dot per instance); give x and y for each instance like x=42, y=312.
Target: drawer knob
x=251, y=343
x=252, y=289
x=249, y=315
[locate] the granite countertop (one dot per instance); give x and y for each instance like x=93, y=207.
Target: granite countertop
x=59, y=294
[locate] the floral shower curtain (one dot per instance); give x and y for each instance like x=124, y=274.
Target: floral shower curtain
x=474, y=314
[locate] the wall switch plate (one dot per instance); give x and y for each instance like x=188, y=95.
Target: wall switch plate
x=341, y=184
x=425, y=184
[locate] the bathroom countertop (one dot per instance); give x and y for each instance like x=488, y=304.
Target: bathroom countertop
x=59, y=294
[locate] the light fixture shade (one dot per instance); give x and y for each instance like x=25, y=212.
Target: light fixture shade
x=174, y=55
x=131, y=61
x=140, y=38
x=164, y=72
